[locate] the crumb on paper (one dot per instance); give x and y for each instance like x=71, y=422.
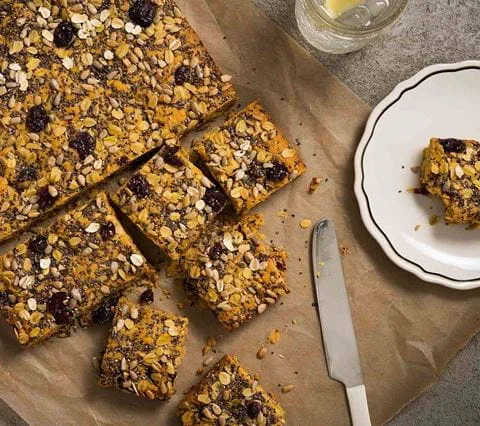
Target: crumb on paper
x=282, y=213
x=274, y=336
x=434, y=219
x=415, y=169
x=345, y=250
x=417, y=227
x=314, y=184
x=262, y=352
x=199, y=371
x=207, y=361
x=210, y=343
x=305, y=223
x=287, y=388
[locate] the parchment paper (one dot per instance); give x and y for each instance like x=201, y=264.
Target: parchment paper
x=407, y=330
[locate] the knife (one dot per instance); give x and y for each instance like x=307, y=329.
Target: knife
x=336, y=321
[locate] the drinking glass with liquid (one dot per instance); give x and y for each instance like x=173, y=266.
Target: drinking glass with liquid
x=342, y=26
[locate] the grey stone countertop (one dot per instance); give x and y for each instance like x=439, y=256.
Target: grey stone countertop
x=429, y=32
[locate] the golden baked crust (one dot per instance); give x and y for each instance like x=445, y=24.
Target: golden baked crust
x=72, y=116
x=235, y=271
x=249, y=157
x=56, y=279
x=170, y=200
x=451, y=170
x=228, y=395
x=145, y=348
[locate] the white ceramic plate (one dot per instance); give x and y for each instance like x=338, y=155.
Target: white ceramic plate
x=441, y=101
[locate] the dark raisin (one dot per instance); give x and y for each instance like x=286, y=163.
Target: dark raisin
x=83, y=143
x=123, y=160
x=277, y=172
x=281, y=265
x=4, y=298
x=421, y=191
x=56, y=305
x=215, y=199
x=105, y=5
x=239, y=413
x=184, y=74
x=142, y=13
x=37, y=118
x=105, y=313
x=170, y=157
x=453, y=145
x=253, y=408
x=215, y=251
x=45, y=200
x=107, y=230
x=256, y=171
x=38, y=244
x=26, y=173
x=139, y=186
x=147, y=296
x=63, y=34
x=5, y=10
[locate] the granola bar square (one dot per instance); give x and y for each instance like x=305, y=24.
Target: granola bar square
x=170, y=200
x=451, y=171
x=235, y=271
x=229, y=395
x=56, y=279
x=145, y=348
x=249, y=157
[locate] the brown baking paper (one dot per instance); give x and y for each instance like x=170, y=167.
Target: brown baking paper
x=407, y=330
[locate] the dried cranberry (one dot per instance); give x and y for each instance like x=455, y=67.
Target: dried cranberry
x=37, y=118
x=215, y=199
x=4, y=298
x=63, y=35
x=56, y=305
x=281, y=265
x=45, y=200
x=147, y=296
x=184, y=74
x=277, y=172
x=38, y=244
x=83, y=143
x=107, y=230
x=139, y=186
x=453, y=145
x=215, y=251
x=253, y=408
x=26, y=173
x=105, y=313
x=142, y=13
x=255, y=171
x=170, y=157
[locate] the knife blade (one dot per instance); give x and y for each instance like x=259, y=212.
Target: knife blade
x=338, y=333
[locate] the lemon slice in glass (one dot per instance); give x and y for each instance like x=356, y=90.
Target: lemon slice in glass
x=336, y=7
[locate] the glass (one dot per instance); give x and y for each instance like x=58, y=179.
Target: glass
x=351, y=30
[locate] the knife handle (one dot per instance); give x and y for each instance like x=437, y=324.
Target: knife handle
x=357, y=400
